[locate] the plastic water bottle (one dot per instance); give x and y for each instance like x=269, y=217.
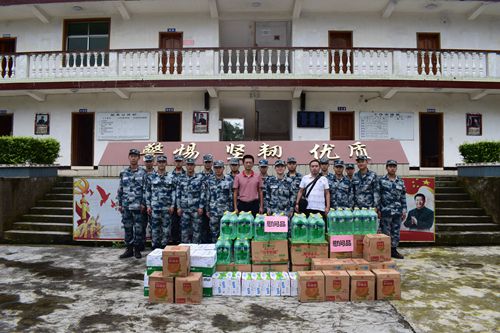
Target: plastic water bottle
x=299, y=227
x=278, y=235
x=364, y=221
x=318, y=230
x=226, y=226
x=259, y=233
x=244, y=226
x=348, y=222
x=233, y=220
x=331, y=220
x=241, y=251
x=223, y=248
x=357, y=221
x=374, y=221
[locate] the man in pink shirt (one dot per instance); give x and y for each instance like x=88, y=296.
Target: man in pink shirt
x=247, y=195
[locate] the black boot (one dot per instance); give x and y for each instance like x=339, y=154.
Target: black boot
x=137, y=253
x=395, y=254
x=129, y=252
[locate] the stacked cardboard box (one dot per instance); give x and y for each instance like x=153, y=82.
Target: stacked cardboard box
x=154, y=263
x=269, y=256
x=302, y=254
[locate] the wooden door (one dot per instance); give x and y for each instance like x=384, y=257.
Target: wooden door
x=341, y=125
x=429, y=43
x=169, y=126
x=340, y=40
x=7, y=46
x=169, y=43
x=6, y=124
x=431, y=139
x=82, y=139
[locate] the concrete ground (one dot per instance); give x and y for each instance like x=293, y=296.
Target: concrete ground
x=86, y=289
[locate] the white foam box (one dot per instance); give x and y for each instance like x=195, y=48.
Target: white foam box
x=154, y=258
x=247, y=284
x=203, y=258
x=294, y=284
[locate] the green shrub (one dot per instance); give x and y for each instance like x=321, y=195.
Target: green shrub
x=480, y=152
x=19, y=150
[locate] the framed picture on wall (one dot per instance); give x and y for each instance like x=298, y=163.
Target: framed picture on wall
x=200, y=122
x=42, y=124
x=474, y=124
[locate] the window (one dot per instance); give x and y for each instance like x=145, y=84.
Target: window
x=85, y=36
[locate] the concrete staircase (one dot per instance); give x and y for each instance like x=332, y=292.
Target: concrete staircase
x=459, y=220
x=50, y=221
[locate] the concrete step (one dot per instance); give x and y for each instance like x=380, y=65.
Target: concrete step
x=52, y=211
x=470, y=211
x=47, y=218
x=61, y=190
x=452, y=196
x=38, y=237
x=58, y=196
x=451, y=189
x=447, y=183
x=55, y=203
x=65, y=183
x=462, y=219
x=455, y=204
x=462, y=238
x=468, y=227
x=446, y=178
x=43, y=226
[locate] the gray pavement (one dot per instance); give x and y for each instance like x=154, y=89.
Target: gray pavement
x=86, y=289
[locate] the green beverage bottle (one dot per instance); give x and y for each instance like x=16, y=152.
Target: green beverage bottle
x=374, y=221
x=365, y=218
x=241, y=251
x=357, y=221
x=259, y=224
x=340, y=221
x=318, y=234
x=279, y=235
x=348, y=221
x=225, y=226
x=244, y=225
x=233, y=221
x=299, y=227
x=330, y=218
x=223, y=248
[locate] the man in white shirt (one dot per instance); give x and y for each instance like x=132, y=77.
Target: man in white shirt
x=318, y=198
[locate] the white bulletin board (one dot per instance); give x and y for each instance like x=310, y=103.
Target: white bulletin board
x=386, y=125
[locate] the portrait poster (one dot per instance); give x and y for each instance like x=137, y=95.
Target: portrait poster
x=42, y=124
x=419, y=224
x=474, y=124
x=200, y=122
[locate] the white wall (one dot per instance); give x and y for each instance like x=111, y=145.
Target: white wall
x=60, y=108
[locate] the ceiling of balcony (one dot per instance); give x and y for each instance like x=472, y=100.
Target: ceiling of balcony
x=234, y=9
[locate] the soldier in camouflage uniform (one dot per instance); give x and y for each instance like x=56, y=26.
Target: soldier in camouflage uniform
x=392, y=205
x=129, y=199
x=349, y=170
x=175, y=228
x=146, y=218
x=341, y=193
x=234, y=165
x=219, y=196
x=160, y=200
x=365, y=185
x=190, y=200
x=296, y=177
x=324, y=164
x=263, y=167
x=279, y=190
x=206, y=173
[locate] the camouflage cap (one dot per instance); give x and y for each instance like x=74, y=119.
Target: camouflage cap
x=362, y=158
x=349, y=166
x=208, y=158
x=291, y=160
x=263, y=163
x=178, y=158
x=338, y=163
x=218, y=164
x=234, y=161
x=279, y=162
x=190, y=160
x=134, y=151
x=324, y=160
x=161, y=158
x=391, y=162
x=149, y=158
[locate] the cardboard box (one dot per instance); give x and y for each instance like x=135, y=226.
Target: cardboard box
x=337, y=286
x=269, y=252
x=146, y=284
x=388, y=283
x=341, y=255
x=349, y=265
x=362, y=264
x=301, y=268
x=391, y=264
x=357, y=252
x=270, y=268
x=161, y=288
x=302, y=254
x=362, y=285
x=189, y=289
x=205, y=271
x=377, y=247
x=176, y=260
x=327, y=264
x=207, y=286
x=311, y=286
x=203, y=258
x=154, y=258
x=294, y=283
x=232, y=267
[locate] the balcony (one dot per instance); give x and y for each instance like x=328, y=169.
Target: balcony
x=254, y=63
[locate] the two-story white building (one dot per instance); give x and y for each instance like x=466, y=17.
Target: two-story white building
x=426, y=73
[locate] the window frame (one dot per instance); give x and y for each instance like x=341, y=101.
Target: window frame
x=85, y=20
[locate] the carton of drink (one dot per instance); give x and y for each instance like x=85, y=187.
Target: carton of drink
x=285, y=283
x=203, y=258
x=233, y=282
x=256, y=283
x=153, y=259
x=293, y=283
x=218, y=285
x=265, y=284
x=247, y=284
x=275, y=284
x=146, y=284
x=207, y=286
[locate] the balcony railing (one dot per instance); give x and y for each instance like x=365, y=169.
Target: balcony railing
x=357, y=63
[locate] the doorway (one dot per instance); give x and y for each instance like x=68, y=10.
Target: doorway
x=341, y=125
x=6, y=124
x=430, y=43
x=431, y=140
x=340, y=40
x=272, y=121
x=169, y=42
x=7, y=47
x=169, y=126
x=82, y=139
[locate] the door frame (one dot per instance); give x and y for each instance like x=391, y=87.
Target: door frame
x=441, y=138
x=73, y=143
x=352, y=113
x=158, y=122
x=11, y=116
x=332, y=61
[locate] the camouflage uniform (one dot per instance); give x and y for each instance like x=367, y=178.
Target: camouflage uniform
x=160, y=196
x=392, y=204
x=341, y=193
x=219, y=199
x=280, y=197
x=366, y=189
x=130, y=198
x=190, y=196
x=146, y=219
x=176, y=220
x=295, y=183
